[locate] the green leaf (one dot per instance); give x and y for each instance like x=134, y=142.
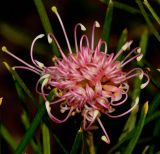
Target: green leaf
x=21, y=88
x=26, y=122
x=131, y=133
x=46, y=139
x=122, y=39
x=156, y=129
x=151, y=149
x=143, y=44
x=130, y=124
x=21, y=95
x=30, y=132
x=47, y=122
x=152, y=11
x=7, y=136
x=153, y=116
x=45, y=22
x=90, y=143
x=77, y=142
x=145, y=149
x=16, y=36
x=124, y=139
x=154, y=104
x=33, y=126
x=154, y=74
x=17, y=78
x=144, y=13
x=107, y=22
x=138, y=131
x=40, y=112
x=124, y=7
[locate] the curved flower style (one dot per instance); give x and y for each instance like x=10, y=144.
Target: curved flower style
x=89, y=81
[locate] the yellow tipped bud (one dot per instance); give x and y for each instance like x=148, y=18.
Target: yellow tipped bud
x=80, y=130
x=82, y=27
x=62, y=110
x=144, y=85
x=54, y=58
x=126, y=45
x=139, y=57
x=45, y=81
x=48, y=106
x=148, y=69
x=141, y=76
x=6, y=65
x=158, y=69
x=46, y=76
x=139, y=50
x=73, y=113
x=96, y=112
x=97, y=24
x=54, y=9
x=40, y=36
x=1, y=101
x=49, y=39
x=146, y=107
x=41, y=65
x=104, y=138
x=4, y=49
x=137, y=100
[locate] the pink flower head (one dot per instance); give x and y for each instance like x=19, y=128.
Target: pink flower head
x=88, y=81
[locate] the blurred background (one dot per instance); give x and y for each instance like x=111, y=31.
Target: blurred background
x=20, y=24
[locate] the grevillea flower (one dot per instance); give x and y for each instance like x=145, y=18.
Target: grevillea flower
x=89, y=81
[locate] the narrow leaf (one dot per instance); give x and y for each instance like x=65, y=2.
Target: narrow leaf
x=16, y=36
x=7, y=136
x=107, y=22
x=130, y=124
x=33, y=126
x=138, y=131
x=123, y=6
x=152, y=11
x=47, y=121
x=21, y=83
x=26, y=123
x=45, y=22
x=143, y=44
x=90, y=143
x=144, y=13
x=46, y=139
x=39, y=115
x=154, y=75
x=153, y=116
x=77, y=142
x=21, y=95
x=154, y=104
x=124, y=139
x=30, y=132
x=145, y=149
x=122, y=39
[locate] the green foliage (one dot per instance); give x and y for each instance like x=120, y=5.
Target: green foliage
x=107, y=23
x=45, y=22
